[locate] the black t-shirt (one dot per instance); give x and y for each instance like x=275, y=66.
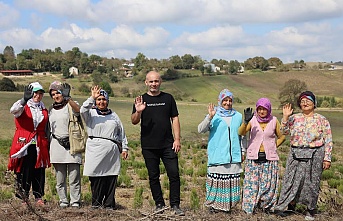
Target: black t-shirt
x=156, y=129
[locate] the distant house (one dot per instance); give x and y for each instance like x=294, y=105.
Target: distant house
x=212, y=66
x=271, y=67
x=335, y=67
x=129, y=65
x=240, y=69
x=73, y=71
x=16, y=72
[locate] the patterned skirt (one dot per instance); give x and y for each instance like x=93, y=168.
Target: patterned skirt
x=223, y=191
x=260, y=186
x=301, y=181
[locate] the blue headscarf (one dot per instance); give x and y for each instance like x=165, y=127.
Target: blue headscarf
x=219, y=109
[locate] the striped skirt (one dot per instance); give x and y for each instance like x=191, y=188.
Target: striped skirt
x=223, y=191
x=260, y=186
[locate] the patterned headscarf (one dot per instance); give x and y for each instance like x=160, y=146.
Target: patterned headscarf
x=105, y=94
x=264, y=102
x=106, y=111
x=219, y=109
x=57, y=86
x=309, y=95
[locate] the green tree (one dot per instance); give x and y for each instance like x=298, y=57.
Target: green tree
x=187, y=61
x=176, y=61
x=9, y=53
x=233, y=66
x=140, y=61
x=7, y=84
x=107, y=87
x=290, y=92
x=274, y=61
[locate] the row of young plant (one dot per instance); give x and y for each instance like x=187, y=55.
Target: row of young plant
x=134, y=176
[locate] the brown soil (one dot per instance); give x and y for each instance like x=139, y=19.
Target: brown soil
x=14, y=210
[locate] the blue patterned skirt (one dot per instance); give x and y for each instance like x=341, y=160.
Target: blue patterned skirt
x=223, y=191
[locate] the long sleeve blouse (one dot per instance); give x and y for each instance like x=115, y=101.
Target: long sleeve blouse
x=311, y=132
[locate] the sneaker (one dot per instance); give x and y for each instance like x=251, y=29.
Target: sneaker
x=64, y=204
x=291, y=207
x=309, y=215
x=40, y=202
x=94, y=207
x=177, y=211
x=159, y=208
x=280, y=213
x=212, y=210
x=75, y=205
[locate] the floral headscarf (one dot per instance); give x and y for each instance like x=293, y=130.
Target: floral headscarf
x=222, y=111
x=264, y=102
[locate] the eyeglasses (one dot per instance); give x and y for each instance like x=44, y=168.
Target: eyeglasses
x=306, y=101
x=53, y=94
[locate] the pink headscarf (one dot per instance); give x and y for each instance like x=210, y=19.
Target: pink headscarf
x=264, y=102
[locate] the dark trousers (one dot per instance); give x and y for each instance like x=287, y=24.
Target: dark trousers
x=30, y=176
x=170, y=160
x=103, y=191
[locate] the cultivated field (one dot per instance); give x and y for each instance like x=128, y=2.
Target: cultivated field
x=133, y=195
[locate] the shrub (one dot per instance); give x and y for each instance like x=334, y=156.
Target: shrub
x=333, y=183
x=195, y=201
x=7, y=84
x=138, y=199
x=84, y=89
x=142, y=173
x=327, y=174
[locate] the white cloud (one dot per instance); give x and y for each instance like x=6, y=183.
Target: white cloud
x=8, y=16
x=191, y=12
x=228, y=29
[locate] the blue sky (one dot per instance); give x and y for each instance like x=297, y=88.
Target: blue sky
x=311, y=30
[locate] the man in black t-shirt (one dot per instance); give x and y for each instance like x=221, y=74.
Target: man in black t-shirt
x=159, y=119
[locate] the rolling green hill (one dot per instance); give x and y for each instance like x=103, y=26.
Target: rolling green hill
x=195, y=94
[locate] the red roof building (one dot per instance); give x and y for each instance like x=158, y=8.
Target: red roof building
x=16, y=72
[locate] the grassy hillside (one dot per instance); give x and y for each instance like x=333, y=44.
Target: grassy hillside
x=196, y=93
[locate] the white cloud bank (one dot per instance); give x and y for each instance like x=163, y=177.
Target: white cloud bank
x=238, y=29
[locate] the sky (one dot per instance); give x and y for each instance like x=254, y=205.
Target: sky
x=309, y=30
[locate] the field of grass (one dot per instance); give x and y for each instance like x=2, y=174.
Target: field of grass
x=133, y=191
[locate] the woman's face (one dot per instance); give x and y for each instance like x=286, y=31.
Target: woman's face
x=227, y=103
x=56, y=96
x=262, y=112
x=101, y=102
x=37, y=96
x=306, y=104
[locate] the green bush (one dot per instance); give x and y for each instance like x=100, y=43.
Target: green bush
x=340, y=189
x=333, y=183
x=195, y=201
x=328, y=174
x=138, y=199
x=142, y=173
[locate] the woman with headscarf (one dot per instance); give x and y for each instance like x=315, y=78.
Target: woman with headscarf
x=106, y=138
x=261, y=176
x=310, y=154
x=29, y=153
x=224, y=154
x=64, y=162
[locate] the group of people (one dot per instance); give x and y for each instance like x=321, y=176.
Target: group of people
x=42, y=138
x=41, y=135
x=253, y=139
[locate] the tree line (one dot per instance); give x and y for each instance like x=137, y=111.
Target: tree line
x=58, y=61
